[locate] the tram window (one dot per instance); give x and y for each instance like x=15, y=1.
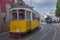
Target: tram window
x=21, y=14
x=38, y=19
x=34, y=16
x=14, y=15
x=28, y=15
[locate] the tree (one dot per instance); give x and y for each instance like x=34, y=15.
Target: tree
x=58, y=8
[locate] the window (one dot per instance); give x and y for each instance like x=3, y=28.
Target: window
x=14, y=15
x=38, y=17
x=4, y=19
x=28, y=15
x=34, y=16
x=21, y=14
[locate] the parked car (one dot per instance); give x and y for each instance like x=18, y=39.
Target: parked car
x=54, y=21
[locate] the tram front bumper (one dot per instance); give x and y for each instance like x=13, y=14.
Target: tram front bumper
x=16, y=34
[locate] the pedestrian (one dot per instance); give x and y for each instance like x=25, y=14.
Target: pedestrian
x=50, y=21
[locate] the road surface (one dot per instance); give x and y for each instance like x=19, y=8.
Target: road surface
x=45, y=32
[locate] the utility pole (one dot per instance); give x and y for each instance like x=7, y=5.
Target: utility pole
x=16, y=1
x=30, y=2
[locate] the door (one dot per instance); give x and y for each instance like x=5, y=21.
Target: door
x=28, y=22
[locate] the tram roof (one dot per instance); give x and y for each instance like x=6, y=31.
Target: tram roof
x=21, y=5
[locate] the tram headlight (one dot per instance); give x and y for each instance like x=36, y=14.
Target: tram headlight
x=17, y=31
x=14, y=27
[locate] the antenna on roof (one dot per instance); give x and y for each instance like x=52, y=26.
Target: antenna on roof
x=18, y=1
x=30, y=2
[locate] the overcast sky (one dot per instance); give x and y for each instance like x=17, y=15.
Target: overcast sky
x=43, y=6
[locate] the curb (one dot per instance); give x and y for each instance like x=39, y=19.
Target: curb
x=3, y=33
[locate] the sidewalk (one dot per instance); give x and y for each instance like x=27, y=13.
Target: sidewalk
x=4, y=27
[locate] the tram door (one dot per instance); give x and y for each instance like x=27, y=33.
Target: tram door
x=28, y=16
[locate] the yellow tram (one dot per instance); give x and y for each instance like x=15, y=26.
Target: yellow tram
x=23, y=19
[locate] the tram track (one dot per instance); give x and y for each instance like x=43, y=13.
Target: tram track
x=45, y=32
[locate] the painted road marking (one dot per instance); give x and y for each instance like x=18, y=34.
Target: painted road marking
x=44, y=35
x=55, y=33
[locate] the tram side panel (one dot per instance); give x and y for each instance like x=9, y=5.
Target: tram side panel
x=21, y=26
x=34, y=25
x=18, y=26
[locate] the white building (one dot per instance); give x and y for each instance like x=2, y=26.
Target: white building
x=51, y=14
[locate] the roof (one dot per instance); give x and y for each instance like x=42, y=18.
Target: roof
x=21, y=5
x=3, y=4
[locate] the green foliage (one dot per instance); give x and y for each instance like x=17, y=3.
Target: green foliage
x=58, y=9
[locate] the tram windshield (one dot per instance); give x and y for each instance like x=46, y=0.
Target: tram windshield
x=21, y=14
x=14, y=15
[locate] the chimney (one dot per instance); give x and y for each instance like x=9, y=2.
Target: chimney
x=20, y=1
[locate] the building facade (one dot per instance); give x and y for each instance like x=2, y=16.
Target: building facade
x=4, y=8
